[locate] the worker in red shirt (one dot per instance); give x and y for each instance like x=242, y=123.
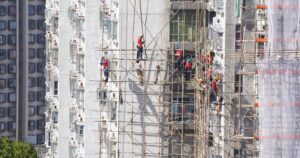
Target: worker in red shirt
x=140, y=49
x=179, y=58
x=105, y=64
x=188, y=65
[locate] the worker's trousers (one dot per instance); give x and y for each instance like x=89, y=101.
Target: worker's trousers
x=139, y=54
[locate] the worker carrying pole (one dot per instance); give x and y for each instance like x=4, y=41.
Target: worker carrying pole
x=140, y=49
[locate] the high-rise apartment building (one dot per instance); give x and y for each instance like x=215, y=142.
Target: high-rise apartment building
x=22, y=61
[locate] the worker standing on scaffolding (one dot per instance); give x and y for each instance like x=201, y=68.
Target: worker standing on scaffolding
x=105, y=64
x=188, y=65
x=179, y=58
x=140, y=48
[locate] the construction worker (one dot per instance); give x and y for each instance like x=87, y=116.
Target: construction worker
x=140, y=73
x=179, y=59
x=105, y=64
x=140, y=48
x=157, y=72
x=188, y=65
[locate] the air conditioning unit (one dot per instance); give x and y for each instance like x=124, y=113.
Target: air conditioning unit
x=73, y=142
x=49, y=35
x=80, y=14
x=54, y=106
x=74, y=41
x=74, y=75
x=113, y=96
x=48, y=66
x=49, y=96
x=80, y=84
x=80, y=118
x=55, y=43
x=73, y=107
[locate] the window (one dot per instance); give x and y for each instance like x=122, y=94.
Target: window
x=183, y=26
x=31, y=53
x=31, y=82
x=40, y=138
x=2, y=25
x=40, y=53
x=31, y=124
x=11, y=82
x=31, y=110
x=2, y=83
x=31, y=10
x=113, y=111
x=2, y=69
x=2, y=10
x=41, y=24
x=12, y=10
x=12, y=25
x=11, y=39
x=2, y=54
x=12, y=68
x=40, y=38
x=40, y=82
x=12, y=97
x=41, y=96
x=40, y=9
x=12, y=53
x=11, y=112
x=2, y=97
x=31, y=96
x=2, y=126
x=40, y=67
x=40, y=124
x=2, y=112
x=11, y=126
x=80, y=130
x=31, y=24
x=31, y=67
x=41, y=110
x=31, y=39
x=2, y=39
x=55, y=89
x=55, y=117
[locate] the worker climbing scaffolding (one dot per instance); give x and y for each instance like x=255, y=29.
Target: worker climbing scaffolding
x=105, y=66
x=140, y=49
x=188, y=65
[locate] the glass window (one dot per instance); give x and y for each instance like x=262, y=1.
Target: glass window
x=11, y=112
x=2, y=97
x=41, y=82
x=31, y=110
x=31, y=39
x=2, y=83
x=81, y=129
x=11, y=39
x=41, y=96
x=31, y=53
x=2, y=112
x=12, y=68
x=11, y=82
x=41, y=110
x=40, y=67
x=40, y=124
x=12, y=10
x=2, y=39
x=55, y=89
x=40, y=138
x=2, y=69
x=55, y=117
x=11, y=126
x=2, y=54
x=12, y=53
x=12, y=97
x=40, y=53
x=40, y=38
x=31, y=124
x=40, y=9
x=31, y=82
x=31, y=10
x=2, y=25
x=31, y=96
x=12, y=25
x=2, y=10
x=41, y=24
x=2, y=126
x=31, y=67
x=31, y=24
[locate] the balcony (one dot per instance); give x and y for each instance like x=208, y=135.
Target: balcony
x=73, y=142
x=54, y=105
x=73, y=107
x=80, y=117
x=49, y=97
x=80, y=84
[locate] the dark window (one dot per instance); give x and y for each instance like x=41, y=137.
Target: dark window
x=31, y=10
x=2, y=10
x=12, y=97
x=31, y=53
x=11, y=68
x=31, y=67
x=31, y=110
x=2, y=97
x=12, y=25
x=2, y=83
x=31, y=39
x=40, y=39
x=12, y=10
x=40, y=9
x=31, y=124
x=40, y=138
x=11, y=82
x=11, y=112
x=2, y=112
x=2, y=54
x=40, y=67
x=40, y=81
x=41, y=110
x=55, y=89
x=11, y=39
x=11, y=126
x=31, y=96
x=41, y=96
x=31, y=82
x=31, y=24
x=2, y=39
x=40, y=124
x=40, y=53
x=12, y=53
x=2, y=25
x=2, y=126
x=41, y=24
x=2, y=69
